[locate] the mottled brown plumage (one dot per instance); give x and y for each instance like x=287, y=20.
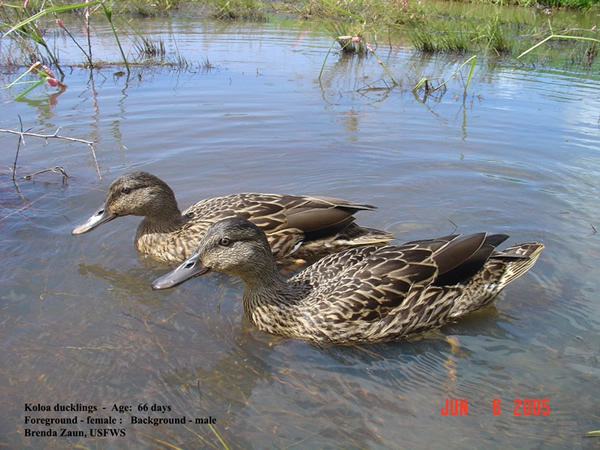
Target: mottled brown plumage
x=303, y=227
x=364, y=294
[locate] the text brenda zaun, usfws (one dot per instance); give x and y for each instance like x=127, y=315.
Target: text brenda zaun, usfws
x=85, y=420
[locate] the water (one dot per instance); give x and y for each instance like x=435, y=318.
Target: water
x=80, y=324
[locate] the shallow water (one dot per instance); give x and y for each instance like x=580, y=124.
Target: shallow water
x=80, y=324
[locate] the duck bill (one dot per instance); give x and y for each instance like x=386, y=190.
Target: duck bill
x=190, y=268
x=101, y=216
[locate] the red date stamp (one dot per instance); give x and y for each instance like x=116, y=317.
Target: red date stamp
x=521, y=407
x=529, y=407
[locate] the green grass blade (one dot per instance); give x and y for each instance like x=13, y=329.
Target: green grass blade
x=558, y=36
x=325, y=60
x=12, y=83
x=218, y=437
x=54, y=9
x=382, y=64
x=108, y=14
x=473, y=60
x=421, y=82
x=536, y=46
x=29, y=89
x=58, y=9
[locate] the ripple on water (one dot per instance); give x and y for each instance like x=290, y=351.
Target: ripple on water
x=80, y=322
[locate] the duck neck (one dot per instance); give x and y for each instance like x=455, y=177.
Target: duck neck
x=163, y=219
x=270, y=301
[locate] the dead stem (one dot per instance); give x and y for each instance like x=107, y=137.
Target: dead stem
x=455, y=226
x=46, y=136
x=22, y=135
x=14, y=170
x=594, y=231
x=55, y=169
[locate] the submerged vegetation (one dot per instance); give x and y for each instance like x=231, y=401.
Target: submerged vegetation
x=549, y=33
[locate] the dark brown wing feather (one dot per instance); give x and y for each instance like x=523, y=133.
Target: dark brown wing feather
x=371, y=282
x=461, y=262
x=288, y=220
x=274, y=212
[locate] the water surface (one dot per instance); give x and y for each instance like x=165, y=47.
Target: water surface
x=80, y=324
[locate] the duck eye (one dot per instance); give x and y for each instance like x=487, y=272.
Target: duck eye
x=125, y=190
x=224, y=242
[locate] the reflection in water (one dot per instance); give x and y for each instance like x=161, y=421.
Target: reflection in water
x=248, y=376
x=81, y=324
x=352, y=74
x=44, y=105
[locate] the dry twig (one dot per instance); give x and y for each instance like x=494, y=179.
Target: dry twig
x=22, y=135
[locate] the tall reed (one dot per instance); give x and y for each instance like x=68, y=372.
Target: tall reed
x=27, y=31
x=353, y=43
x=29, y=23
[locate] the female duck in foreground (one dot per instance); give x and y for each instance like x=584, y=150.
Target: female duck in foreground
x=365, y=294
x=305, y=226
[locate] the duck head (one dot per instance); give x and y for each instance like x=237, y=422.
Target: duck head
x=234, y=246
x=133, y=193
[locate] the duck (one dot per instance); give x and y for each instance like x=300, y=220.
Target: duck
x=299, y=227
x=360, y=295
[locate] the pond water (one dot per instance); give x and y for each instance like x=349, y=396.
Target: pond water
x=80, y=324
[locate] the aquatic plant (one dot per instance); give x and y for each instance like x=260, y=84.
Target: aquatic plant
x=45, y=75
x=87, y=54
x=576, y=4
x=349, y=34
x=154, y=52
x=559, y=36
x=27, y=30
x=148, y=49
x=494, y=36
x=29, y=37
x=33, y=31
x=429, y=87
x=352, y=44
x=147, y=8
x=441, y=39
x=433, y=28
x=590, y=54
x=433, y=35
x=354, y=26
x=239, y=10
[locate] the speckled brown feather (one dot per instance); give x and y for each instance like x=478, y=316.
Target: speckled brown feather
x=363, y=294
x=298, y=227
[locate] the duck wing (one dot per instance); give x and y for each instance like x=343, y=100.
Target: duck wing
x=369, y=283
x=273, y=212
x=291, y=220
